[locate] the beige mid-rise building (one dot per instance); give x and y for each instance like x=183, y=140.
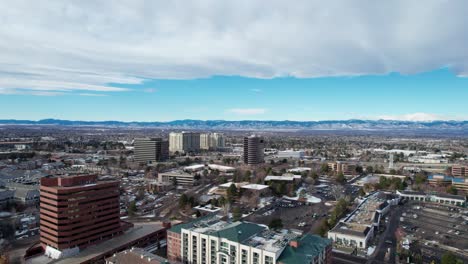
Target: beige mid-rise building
x=184, y=142
x=212, y=141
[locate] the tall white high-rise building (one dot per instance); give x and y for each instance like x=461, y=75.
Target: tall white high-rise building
x=184, y=141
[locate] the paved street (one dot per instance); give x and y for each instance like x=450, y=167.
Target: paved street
x=388, y=235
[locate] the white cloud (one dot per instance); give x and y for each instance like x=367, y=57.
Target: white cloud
x=247, y=111
x=91, y=45
x=256, y=90
x=420, y=117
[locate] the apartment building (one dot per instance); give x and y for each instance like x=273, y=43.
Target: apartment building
x=77, y=212
x=184, y=142
x=253, y=150
x=212, y=141
x=460, y=171
x=211, y=240
x=149, y=150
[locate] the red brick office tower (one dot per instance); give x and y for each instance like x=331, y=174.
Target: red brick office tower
x=78, y=211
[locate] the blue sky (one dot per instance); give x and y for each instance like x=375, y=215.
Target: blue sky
x=215, y=59
x=434, y=95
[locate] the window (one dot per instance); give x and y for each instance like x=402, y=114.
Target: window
x=255, y=258
x=224, y=247
x=244, y=256
x=268, y=260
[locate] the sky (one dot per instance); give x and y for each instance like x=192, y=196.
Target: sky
x=133, y=60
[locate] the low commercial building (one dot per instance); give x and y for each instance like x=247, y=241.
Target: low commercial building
x=195, y=168
x=211, y=240
x=211, y=167
x=460, y=184
x=300, y=170
x=439, y=179
x=291, y=154
x=256, y=187
x=141, y=235
x=286, y=177
x=221, y=168
x=358, y=228
x=222, y=188
x=448, y=199
x=178, y=177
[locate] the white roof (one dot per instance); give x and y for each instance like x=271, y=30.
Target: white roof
x=299, y=169
x=195, y=167
x=237, y=184
x=255, y=186
x=282, y=178
x=220, y=167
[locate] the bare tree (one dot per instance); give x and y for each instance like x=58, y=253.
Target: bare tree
x=337, y=191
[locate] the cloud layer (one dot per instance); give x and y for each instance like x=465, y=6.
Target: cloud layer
x=420, y=117
x=62, y=46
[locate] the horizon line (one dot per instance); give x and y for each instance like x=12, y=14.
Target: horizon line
x=241, y=120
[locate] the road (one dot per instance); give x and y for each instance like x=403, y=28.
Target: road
x=342, y=258
x=388, y=235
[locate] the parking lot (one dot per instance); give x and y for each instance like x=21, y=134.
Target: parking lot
x=293, y=214
x=436, y=228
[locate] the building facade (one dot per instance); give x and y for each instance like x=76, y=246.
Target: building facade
x=460, y=171
x=448, y=199
x=212, y=141
x=77, y=212
x=149, y=150
x=210, y=240
x=184, y=142
x=253, y=150
x=341, y=167
x=460, y=184
x=178, y=177
x=358, y=228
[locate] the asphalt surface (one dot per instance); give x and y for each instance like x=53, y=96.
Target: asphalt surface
x=342, y=258
x=388, y=235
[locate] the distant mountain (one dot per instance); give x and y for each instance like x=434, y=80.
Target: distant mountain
x=261, y=125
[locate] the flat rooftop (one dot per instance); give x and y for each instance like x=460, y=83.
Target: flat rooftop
x=285, y=177
x=272, y=241
x=138, y=231
x=251, y=234
x=361, y=219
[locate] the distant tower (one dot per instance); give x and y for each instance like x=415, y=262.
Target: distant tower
x=390, y=163
x=253, y=150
